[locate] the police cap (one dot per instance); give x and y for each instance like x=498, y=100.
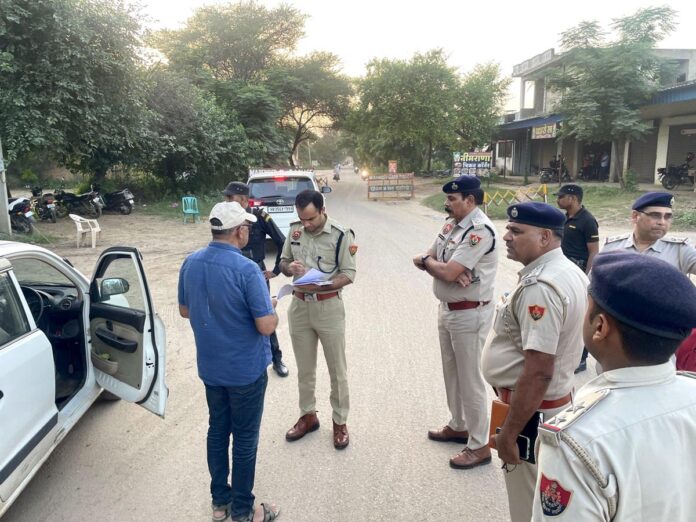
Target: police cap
x=644, y=292
x=537, y=214
x=464, y=184
x=236, y=188
x=654, y=199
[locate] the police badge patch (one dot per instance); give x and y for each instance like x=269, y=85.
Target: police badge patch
x=447, y=228
x=536, y=312
x=554, y=498
x=514, y=213
x=474, y=239
x=296, y=234
x=353, y=249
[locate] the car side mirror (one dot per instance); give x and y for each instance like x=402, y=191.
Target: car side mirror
x=325, y=190
x=114, y=286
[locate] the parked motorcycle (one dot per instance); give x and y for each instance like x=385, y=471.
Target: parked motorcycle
x=43, y=205
x=21, y=216
x=120, y=200
x=89, y=204
x=673, y=175
x=550, y=174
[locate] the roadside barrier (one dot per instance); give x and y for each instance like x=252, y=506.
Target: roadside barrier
x=515, y=196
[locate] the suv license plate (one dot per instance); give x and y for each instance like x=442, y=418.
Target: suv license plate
x=288, y=208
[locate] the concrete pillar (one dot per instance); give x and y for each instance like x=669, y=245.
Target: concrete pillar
x=662, y=148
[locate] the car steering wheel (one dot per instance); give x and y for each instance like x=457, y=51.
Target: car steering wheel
x=35, y=301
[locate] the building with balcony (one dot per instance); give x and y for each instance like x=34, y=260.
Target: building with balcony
x=528, y=138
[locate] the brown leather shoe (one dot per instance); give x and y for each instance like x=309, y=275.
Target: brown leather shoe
x=307, y=423
x=468, y=458
x=341, y=438
x=447, y=434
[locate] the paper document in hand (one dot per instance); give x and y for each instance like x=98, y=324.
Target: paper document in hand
x=313, y=277
x=284, y=290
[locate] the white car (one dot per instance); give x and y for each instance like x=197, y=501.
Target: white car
x=63, y=341
x=275, y=192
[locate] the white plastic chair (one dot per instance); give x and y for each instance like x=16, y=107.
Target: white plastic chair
x=86, y=226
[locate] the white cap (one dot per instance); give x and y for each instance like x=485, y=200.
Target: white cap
x=231, y=214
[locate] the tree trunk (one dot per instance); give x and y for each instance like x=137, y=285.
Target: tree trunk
x=617, y=155
x=430, y=154
x=291, y=159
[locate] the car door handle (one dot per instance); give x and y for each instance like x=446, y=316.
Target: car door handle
x=113, y=340
x=1, y=394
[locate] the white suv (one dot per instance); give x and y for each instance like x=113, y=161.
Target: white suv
x=275, y=192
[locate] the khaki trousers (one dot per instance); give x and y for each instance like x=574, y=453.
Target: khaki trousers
x=325, y=321
x=521, y=481
x=462, y=336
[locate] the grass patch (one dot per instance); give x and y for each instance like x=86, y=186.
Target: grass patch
x=610, y=205
x=170, y=208
x=37, y=238
x=684, y=220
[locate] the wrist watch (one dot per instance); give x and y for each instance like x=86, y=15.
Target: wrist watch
x=423, y=258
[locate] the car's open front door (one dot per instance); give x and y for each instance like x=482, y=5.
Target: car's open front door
x=128, y=338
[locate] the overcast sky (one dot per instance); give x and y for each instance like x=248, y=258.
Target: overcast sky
x=503, y=31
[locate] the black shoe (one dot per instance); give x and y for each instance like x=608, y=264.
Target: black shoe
x=280, y=368
x=581, y=367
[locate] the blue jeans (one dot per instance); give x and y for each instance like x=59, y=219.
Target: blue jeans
x=236, y=411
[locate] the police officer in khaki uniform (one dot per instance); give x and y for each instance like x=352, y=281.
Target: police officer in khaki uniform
x=317, y=313
x=536, y=343
x=652, y=218
x=463, y=262
x=625, y=450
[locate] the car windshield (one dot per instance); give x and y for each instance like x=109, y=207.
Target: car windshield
x=281, y=187
x=31, y=271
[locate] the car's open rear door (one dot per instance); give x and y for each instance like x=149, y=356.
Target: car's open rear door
x=128, y=338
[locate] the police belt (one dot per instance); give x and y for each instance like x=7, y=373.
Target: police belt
x=465, y=305
x=314, y=297
x=505, y=395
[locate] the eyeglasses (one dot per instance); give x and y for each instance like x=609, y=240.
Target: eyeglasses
x=246, y=225
x=657, y=216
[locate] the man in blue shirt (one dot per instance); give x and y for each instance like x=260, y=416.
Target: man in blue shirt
x=225, y=297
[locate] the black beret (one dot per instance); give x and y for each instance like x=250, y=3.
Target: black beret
x=654, y=199
x=644, y=292
x=236, y=188
x=537, y=214
x=570, y=189
x=462, y=184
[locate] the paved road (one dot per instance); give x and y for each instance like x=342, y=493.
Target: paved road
x=123, y=464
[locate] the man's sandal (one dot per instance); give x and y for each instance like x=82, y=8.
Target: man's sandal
x=268, y=513
x=224, y=509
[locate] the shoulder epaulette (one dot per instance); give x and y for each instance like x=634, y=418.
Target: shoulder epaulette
x=673, y=239
x=478, y=223
x=338, y=227
x=532, y=277
x=613, y=239
x=549, y=430
x=298, y=222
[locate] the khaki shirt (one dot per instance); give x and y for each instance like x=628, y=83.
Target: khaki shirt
x=319, y=250
x=472, y=243
x=622, y=420
x=544, y=313
x=677, y=251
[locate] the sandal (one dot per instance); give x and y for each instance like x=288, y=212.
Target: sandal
x=268, y=513
x=225, y=508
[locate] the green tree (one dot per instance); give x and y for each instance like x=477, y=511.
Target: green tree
x=603, y=83
x=198, y=145
x=313, y=94
x=479, y=105
x=69, y=81
x=234, y=42
x=406, y=110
